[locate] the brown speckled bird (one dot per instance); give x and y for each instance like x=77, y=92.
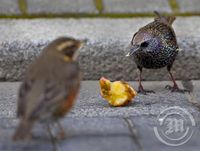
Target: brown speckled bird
x=49, y=88
x=155, y=46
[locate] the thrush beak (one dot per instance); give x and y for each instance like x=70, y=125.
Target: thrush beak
x=132, y=51
x=82, y=43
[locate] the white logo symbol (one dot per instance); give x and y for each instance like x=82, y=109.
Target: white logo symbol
x=175, y=126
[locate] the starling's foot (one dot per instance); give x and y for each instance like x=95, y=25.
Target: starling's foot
x=145, y=92
x=176, y=89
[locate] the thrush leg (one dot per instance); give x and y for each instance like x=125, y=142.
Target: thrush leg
x=61, y=134
x=53, y=139
x=140, y=87
x=175, y=87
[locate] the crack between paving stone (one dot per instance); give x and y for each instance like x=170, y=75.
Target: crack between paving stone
x=97, y=136
x=187, y=84
x=134, y=133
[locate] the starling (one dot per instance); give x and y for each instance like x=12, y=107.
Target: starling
x=49, y=88
x=155, y=46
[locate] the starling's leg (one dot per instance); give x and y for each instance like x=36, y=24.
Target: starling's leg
x=140, y=87
x=175, y=87
x=61, y=134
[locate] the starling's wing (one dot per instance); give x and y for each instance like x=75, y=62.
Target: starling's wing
x=56, y=90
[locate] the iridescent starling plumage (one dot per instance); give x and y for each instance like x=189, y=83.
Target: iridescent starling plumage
x=155, y=46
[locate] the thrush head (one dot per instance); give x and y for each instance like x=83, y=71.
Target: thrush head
x=65, y=46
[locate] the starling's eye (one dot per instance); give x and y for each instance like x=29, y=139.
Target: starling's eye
x=144, y=44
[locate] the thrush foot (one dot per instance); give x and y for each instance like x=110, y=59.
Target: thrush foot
x=21, y=137
x=61, y=136
x=61, y=133
x=176, y=89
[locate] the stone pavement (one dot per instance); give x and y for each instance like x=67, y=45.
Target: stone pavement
x=49, y=8
x=93, y=125
x=27, y=26
x=103, y=55
x=107, y=26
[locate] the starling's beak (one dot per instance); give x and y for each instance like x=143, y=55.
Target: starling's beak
x=132, y=51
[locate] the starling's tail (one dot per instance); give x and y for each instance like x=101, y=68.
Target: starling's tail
x=23, y=130
x=165, y=19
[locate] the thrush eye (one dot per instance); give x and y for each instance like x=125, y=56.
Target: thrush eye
x=144, y=44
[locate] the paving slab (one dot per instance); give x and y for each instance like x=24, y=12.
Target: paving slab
x=144, y=125
x=85, y=133
x=7, y=128
x=9, y=7
x=130, y=6
x=60, y=6
x=100, y=143
x=189, y=6
x=8, y=97
x=21, y=42
x=196, y=90
x=40, y=145
x=78, y=127
x=95, y=125
x=85, y=143
x=91, y=104
x=150, y=142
